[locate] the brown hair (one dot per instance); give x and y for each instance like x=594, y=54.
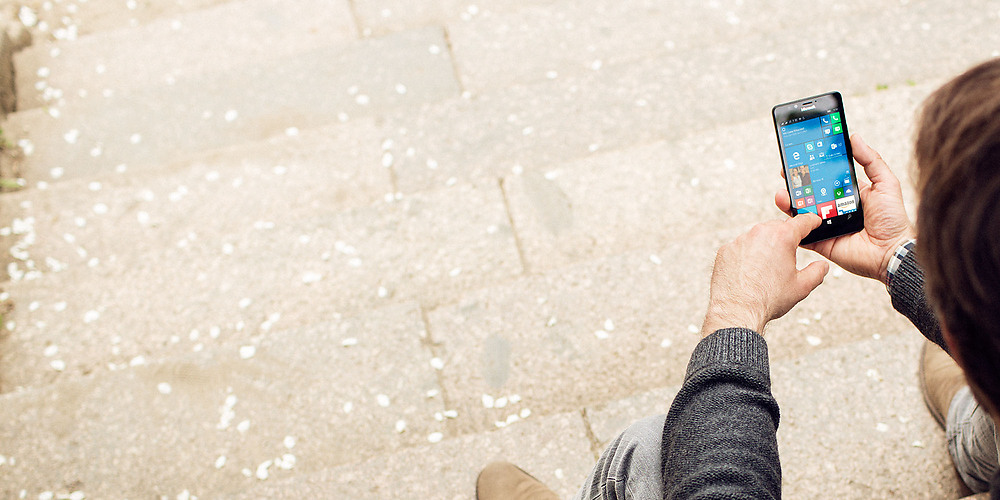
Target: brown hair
x=958, y=162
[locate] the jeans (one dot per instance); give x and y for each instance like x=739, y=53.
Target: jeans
x=629, y=468
x=972, y=441
x=630, y=465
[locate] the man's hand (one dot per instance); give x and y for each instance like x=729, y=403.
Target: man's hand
x=867, y=253
x=755, y=278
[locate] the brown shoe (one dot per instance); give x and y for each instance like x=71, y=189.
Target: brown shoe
x=505, y=481
x=940, y=380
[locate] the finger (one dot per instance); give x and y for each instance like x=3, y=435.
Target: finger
x=803, y=224
x=783, y=202
x=875, y=167
x=812, y=275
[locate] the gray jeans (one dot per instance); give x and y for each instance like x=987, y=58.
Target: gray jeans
x=972, y=441
x=630, y=465
x=629, y=468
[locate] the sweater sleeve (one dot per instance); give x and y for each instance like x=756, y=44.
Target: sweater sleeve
x=906, y=289
x=719, y=437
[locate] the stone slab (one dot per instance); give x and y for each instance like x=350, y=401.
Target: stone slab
x=161, y=123
x=651, y=195
x=676, y=95
x=332, y=169
x=280, y=270
x=71, y=20
x=534, y=344
x=604, y=329
x=214, y=39
x=498, y=49
x=554, y=449
x=853, y=424
x=377, y=17
x=608, y=420
x=159, y=429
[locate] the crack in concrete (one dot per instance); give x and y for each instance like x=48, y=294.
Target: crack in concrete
x=435, y=349
x=595, y=444
x=513, y=229
x=454, y=60
x=357, y=18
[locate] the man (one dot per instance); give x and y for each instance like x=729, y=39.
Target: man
x=718, y=439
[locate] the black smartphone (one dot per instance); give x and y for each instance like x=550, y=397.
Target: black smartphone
x=819, y=163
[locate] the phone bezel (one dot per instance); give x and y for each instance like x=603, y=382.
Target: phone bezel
x=841, y=224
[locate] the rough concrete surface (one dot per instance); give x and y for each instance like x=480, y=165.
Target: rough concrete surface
x=220, y=38
x=209, y=405
x=160, y=122
x=359, y=249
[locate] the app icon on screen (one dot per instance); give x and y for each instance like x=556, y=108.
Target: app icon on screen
x=838, y=193
x=796, y=155
x=826, y=131
x=827, y=210
x=838, y=129
x=822, y=191
x=809, y=146
x=836, y=183
x=800, y=203
x=810, y=201
x=825, y=120
x=847, y=180
x=808, y=190
x=846, y=205
x=797, y=193
x=835, y=117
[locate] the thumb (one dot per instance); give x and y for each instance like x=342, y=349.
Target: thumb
x=875, y=167
x=811, y=276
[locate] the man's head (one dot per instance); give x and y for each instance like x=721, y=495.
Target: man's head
x=958, y=163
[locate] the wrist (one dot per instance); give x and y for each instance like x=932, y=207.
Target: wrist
x=885, y=269
x=719, y=316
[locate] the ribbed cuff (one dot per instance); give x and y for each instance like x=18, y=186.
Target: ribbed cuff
x=906, y=290
x=731, y=346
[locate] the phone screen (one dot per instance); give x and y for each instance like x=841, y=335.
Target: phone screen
x=819, y=169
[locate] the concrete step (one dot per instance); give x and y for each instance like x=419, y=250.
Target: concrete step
x=555, y=449
x=865, y=435
x=668, y=96
x=210, y=221
x=565, y=212
x=677, y=94
x=377, y=17
x=334, y=169
x=161, y=123
x=161, y=428
x=71, y=20
x=648, y=304
x=303, y=265
x=497, y=49
x=216, y=39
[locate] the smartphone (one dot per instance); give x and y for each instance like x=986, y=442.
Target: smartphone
x=819, y=164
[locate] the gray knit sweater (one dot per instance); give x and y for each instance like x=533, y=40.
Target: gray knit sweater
x=719, y=437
